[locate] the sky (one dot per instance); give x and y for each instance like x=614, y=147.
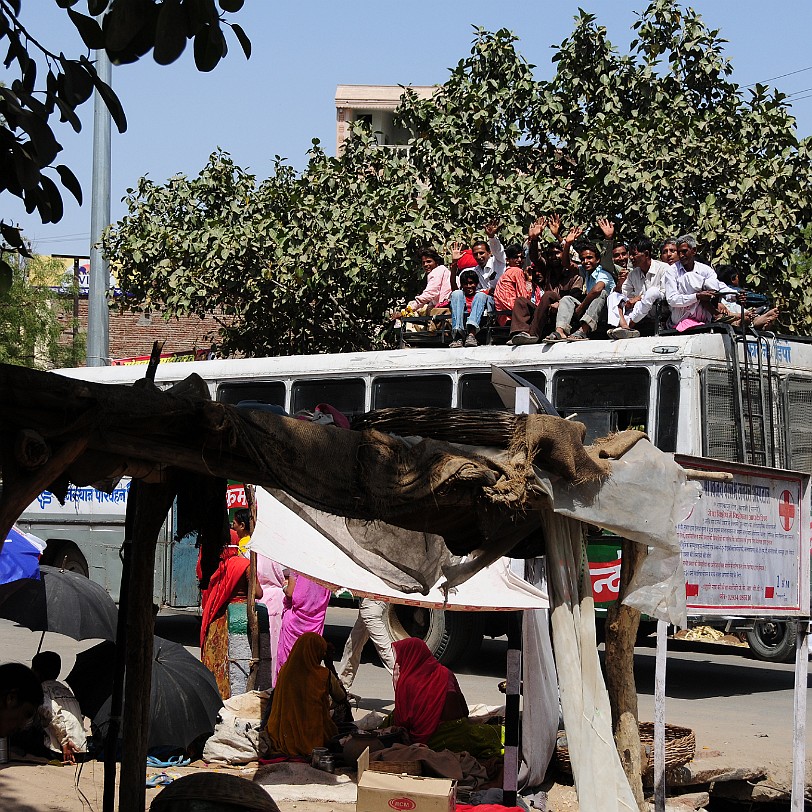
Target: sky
x=276, y=102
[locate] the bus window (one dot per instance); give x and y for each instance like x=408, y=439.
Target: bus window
x=799, y=414
x=411, y=390
x=667, y=408
x=477, y=392
x=346, y=395
x=272, y=392
x=606, y=400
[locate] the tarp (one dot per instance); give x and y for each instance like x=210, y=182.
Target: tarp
x=283, y=536
x=19, y=556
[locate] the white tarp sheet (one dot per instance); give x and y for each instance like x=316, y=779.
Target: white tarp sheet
x=283, y=536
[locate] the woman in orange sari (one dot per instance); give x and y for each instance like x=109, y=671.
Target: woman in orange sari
x=300, y=715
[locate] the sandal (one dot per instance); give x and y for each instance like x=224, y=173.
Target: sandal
x=553, y=337
x=578, y=335
x=159, y=780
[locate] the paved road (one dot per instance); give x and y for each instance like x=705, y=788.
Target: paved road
x=736, y=705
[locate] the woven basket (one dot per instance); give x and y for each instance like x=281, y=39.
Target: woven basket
x=680, y=747
x=396, y=767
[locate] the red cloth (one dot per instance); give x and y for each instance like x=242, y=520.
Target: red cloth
x=221, y=587
x=466, y=260
x=234, y=541
x=422, y=688
x=487, y=808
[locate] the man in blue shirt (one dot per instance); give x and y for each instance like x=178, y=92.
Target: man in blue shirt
x=586, y=313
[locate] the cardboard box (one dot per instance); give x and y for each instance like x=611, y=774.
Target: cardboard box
x=386, y=792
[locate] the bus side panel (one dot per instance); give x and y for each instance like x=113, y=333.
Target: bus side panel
x=183, y=584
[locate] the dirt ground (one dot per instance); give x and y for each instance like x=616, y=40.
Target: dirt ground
x=27, y=787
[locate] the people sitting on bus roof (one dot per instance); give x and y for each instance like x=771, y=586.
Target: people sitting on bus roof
x=490, y=265
x=515, y=282
x=643, y=287
x=587, y=311
x=756, y=310
x=668, y=252
x=437, y=292
x=692, y=288
x=558, y=278
x=430, y=705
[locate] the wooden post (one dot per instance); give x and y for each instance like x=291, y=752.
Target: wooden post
x=117, y=698
x=513, y=692
x=152, y=506
x=622, y=623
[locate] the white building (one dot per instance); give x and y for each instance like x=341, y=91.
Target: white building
x=375, y=104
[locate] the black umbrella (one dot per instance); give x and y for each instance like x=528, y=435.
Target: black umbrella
x=61, y=602
x=184, y=700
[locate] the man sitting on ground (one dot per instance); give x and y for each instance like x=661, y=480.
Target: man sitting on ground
x=598, y=284
x=60, y=714
x=643, y=288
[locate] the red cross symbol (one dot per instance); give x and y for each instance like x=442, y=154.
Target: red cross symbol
x=786, y=510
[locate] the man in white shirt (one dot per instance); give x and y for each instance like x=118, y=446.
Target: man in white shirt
x=491, y=262
x=61, y=717
x=691, y=288
x=643, y=288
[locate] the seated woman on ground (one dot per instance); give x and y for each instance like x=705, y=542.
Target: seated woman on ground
x=430, y=705
x=300, y=714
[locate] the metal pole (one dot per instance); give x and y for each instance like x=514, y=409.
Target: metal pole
x=98, y=340
x=659, y=716
x=799, y=727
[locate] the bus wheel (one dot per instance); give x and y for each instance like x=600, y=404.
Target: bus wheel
x=67, y=556
x=773, y=641
x=450, y=636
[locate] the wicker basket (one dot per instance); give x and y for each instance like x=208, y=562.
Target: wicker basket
x=680, y=747
x=396, y=767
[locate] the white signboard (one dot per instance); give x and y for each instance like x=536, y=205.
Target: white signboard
x=79, y=503
x=745, y=545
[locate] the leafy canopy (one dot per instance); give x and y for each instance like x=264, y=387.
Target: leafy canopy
x=51, y=85
x=660, y=139
x=33, y=318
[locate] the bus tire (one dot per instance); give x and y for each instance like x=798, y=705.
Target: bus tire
x=773, y=641
x=450, y=636
x=66, y=555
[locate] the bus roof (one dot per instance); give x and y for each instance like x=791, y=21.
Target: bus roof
x=672, y=348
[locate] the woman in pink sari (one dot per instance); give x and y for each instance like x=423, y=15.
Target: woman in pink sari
x=305, y=608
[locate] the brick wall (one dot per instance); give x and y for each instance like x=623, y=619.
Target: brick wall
x=128, y=338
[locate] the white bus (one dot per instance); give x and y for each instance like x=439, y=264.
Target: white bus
x=705, y=394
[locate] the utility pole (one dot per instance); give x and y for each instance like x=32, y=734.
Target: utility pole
x=98, y=332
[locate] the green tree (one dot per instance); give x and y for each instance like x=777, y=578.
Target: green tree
x=49, y=84
x=660, y=139
x=34, y=319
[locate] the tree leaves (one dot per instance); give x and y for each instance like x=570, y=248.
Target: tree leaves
x=314, y=262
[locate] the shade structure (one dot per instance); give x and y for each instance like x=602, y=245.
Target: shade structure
x=184, y=700
x=284, y=536
x=19, y=557
x=61, y=602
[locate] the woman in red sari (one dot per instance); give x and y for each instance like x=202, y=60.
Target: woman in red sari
x=229, y=584
x=430, y=704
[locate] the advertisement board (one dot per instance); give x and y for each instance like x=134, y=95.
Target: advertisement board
x=745, y=544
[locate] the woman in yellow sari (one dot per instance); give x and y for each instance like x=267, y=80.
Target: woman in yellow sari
x=300, y=715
